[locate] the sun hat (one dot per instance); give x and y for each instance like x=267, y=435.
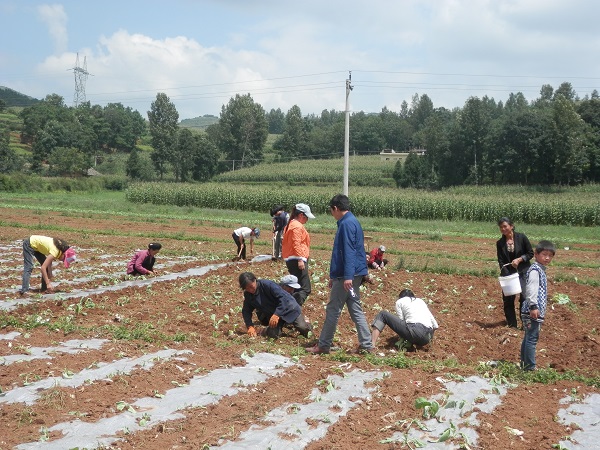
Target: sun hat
x=382, y=248
x=69, y=257
x=305, y=209
x=291, y=281
x=256, y=232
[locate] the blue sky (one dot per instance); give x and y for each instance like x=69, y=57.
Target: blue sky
x=202, y=52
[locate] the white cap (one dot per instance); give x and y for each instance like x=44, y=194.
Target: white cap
x=382, y=248
x=304, y=208
x=291, y=281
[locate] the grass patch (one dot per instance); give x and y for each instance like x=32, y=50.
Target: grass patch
x=512, y=373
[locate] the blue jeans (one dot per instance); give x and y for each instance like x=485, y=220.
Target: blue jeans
x=28, y=254
x=530, y=339
x=339, y=297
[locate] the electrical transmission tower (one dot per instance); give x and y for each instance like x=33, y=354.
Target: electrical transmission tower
x=81, y=75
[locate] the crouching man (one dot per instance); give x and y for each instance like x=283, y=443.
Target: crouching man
x=274, y=307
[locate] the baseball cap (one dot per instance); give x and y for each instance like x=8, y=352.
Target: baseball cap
x=69, y=257
x=304, y=208
x=256, y=232
x=382, y=248
x=291, y=281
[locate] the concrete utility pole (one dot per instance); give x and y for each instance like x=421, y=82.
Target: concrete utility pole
x=347, y=134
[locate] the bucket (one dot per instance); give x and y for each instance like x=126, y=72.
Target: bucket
x=510, y=284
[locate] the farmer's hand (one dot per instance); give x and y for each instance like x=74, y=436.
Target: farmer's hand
x=301, y=264
x=274, y=320
x=534, y=313
x=348, y=285
x=251, y=332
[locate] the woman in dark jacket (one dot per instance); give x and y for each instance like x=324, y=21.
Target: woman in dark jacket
x=514, y=253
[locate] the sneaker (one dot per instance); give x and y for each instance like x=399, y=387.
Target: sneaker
x=316, y=350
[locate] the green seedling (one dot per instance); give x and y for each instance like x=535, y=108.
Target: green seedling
x=29, y=378
x=44, y=434
x=121, y=405
x=157, y=394
x=430, y=407
x=144, y=420
x=447, y=433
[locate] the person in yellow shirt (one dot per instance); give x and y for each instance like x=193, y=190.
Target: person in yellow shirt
x=46, y=250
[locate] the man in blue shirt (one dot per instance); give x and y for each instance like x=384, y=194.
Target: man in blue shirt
x=347, y=269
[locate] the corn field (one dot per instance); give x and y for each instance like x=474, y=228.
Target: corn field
x=572, y=206
x=366, y=171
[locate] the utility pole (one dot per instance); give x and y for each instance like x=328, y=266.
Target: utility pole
x=347, y=134
x=81, y=75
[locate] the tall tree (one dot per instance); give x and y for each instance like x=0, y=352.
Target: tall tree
x=163, y=119
x=124, y=127
x=293, y=142
x=139, y=166
x=9, y=160
x=205, y=158
x=182, y=154
x=276, y=120
x=242, y=130
x=566, y=90
x=420, y=110
x=569, y=142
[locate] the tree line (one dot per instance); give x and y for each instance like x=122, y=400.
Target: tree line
x=554, y=139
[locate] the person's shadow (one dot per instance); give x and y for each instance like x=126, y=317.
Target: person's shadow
x=487, y=325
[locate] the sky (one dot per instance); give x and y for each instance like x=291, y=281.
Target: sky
x=201, y=53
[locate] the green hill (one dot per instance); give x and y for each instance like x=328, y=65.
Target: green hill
x=199, y=122
x=13, y=98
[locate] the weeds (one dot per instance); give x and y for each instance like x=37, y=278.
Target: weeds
x=26, y=416
x=54, y=397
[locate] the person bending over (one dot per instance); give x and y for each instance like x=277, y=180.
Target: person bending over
x=413, y=321
x=46, y=250
x=274, y=307
x=143, y=261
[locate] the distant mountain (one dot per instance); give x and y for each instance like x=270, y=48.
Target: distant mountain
x=199, y=122
x=14, y=98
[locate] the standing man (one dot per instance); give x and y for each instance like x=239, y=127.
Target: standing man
x=280, y=219
x=347, y=269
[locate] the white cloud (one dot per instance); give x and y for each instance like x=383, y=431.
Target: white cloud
x=55, y=18
x=395, y=49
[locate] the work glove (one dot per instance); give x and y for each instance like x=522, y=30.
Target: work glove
x=274, y=320
x=251, y=332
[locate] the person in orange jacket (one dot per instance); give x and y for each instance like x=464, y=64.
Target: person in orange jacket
x=296, y=249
